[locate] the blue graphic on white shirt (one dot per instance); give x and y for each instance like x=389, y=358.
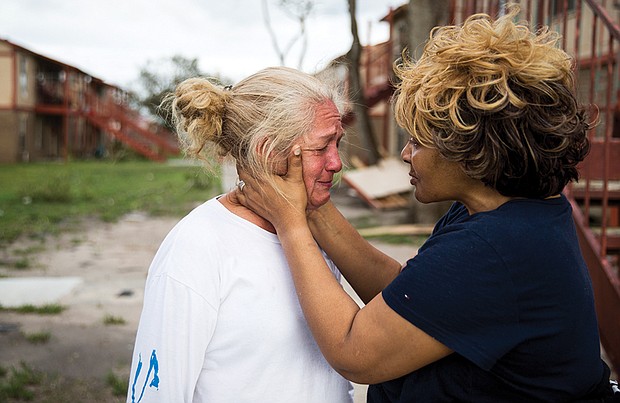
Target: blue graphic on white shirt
x=153, y=367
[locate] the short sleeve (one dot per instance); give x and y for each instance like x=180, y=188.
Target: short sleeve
x=458, y=291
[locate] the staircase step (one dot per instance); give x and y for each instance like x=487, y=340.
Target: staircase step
x=613, y=237
x=594, y=189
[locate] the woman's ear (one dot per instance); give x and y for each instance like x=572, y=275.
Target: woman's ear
x=262, y=146
x=278, y=162
x=280, y=166
x=275, y=162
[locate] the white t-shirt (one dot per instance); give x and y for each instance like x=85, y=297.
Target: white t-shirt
x=221, y=321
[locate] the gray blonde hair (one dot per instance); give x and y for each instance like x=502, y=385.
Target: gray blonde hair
x=255, y=122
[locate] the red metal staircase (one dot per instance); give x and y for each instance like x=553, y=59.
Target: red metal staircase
x=75, y=98
x=127, y=126
x=376, y=68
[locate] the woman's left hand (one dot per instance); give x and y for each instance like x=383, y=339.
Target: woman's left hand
x=281, y=205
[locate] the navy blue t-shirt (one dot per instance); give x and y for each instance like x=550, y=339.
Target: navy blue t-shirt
x=509, y=292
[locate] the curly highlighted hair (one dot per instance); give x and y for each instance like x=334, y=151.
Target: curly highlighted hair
x=500, y=100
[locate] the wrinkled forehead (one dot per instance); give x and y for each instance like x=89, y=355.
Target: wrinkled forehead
x=327, y=123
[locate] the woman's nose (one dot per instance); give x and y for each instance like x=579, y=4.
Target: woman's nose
x=334, y=162
x=405, y=153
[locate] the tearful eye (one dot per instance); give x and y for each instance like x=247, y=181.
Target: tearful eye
x=322, y=149
x=317, y=150
x=414, y=142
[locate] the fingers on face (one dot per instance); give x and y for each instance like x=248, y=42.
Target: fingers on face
x=294, y=163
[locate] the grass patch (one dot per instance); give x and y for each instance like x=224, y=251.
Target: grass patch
x=415, y=240
x=26, y=384
x=23, y=263
x=30, y=250
x=45, y=198
x=48, y=309
x=119, y=385
x=113, y=320
x=22, y=259
x=38, y=337
x=16, y=383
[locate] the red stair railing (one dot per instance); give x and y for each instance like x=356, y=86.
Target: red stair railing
x=109, y=112
x=68, y=94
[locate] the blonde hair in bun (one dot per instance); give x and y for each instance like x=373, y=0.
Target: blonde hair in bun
x=256, y=121
x=198, y=108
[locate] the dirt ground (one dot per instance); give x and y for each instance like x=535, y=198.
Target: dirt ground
x=112, y=260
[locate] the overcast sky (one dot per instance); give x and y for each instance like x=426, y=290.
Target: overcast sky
x=113, y=39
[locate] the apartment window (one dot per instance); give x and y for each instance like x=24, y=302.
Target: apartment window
x=23, y=76
x=23, y=127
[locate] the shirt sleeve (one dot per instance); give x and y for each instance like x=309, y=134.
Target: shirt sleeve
x=177, y=322
x=457, y=291
x=174, y=332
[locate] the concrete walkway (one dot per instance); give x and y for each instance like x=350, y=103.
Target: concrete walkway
x=38, y=291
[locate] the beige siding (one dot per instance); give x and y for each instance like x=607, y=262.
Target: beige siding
x=6, y=78
x=8, y=141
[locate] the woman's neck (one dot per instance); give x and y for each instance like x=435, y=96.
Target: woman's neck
x=483, y=198
x=229, y=201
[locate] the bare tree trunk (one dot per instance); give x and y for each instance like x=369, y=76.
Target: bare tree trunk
x=423, y=16
x=304, y=43
x=356, y=91
x=299, y=10
x=272, y=34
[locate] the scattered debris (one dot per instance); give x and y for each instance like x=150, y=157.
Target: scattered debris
x=125, y=293
x=9, y=327
x=404, y=229
x=382, y=186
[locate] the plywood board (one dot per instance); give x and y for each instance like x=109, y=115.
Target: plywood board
x=384, y=185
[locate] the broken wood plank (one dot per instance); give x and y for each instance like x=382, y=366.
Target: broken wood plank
x=382, y=186
x=403, y=229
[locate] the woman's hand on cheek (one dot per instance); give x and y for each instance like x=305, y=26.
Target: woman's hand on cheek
x=280, y=206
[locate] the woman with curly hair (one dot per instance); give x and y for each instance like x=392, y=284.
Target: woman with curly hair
x=497, y=305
